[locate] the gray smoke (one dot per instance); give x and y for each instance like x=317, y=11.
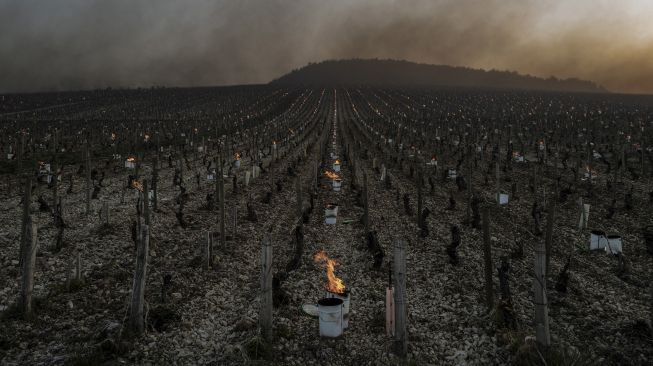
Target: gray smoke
x=81, y=44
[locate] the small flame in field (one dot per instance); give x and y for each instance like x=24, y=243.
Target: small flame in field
x=113, y=136
x=237, y=156
x=131, y=159
x=137, y=185
x=337, y=162
x=334, y=284
x=274, y=143
x=146, y=137
x=331, y=175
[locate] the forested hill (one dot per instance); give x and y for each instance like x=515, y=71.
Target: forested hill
x=404, y=73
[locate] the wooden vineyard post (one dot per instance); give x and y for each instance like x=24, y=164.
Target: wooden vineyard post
x=651, y=309
x=146, y=203
x=541, y=310
x=55, y=183
x=419, y=195
x=266, y=289
x=27, y=200
x=487, y=256
x=298, y=188
x=498, y=184
x=104, y=214
x=27, y=269
x=317, y=176
x=209, y=250
x=235, y=217
x=136, y=316
x=549, y=236
x=78, y=266
x=216, y=197
x=401, y=338
x=88, y=181
x=223, y=235
x=155, y=179
x=470, y=189
x=366, y=213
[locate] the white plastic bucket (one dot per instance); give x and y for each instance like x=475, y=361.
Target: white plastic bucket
x=330, y=214
x=503, y=198
x=129, y=164
x=452, y=174
x=346, y=298
x=337, y=184
x=615, y=244
x=336, y=167
x=598, y=240
x=330, y=310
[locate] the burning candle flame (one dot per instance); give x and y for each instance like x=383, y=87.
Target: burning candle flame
x=334, y=284
x=331, y=175
x=137, y=185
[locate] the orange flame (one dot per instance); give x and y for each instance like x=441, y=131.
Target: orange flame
x=331, y=175
x=334, y=284
x=337, y=162
x=237, y=156
x=137, y=185
x=131, y=159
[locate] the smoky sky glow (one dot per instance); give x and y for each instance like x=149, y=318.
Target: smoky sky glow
x=73, y=44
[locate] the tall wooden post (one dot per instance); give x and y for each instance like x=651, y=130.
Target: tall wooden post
x=55, y=183
x=223, y=234
x=366, y=213
x=419, y=183
x=146, y=202
x=155, y=180
x=498, y=183
x=209, y=250
x=266, y=289
x=317, y=176
x=298, y=188
x=549, y=236
x=401, y=336
x=541, y=310
x=88, y=181
x=487, y=256
x=27, y=201
x=27, y=269
x=235, y=217
x=136, y=316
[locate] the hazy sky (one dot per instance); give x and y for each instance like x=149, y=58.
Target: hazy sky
x=61, y=44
